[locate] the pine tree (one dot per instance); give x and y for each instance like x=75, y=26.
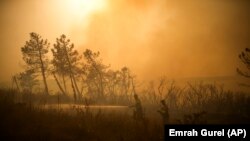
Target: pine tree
x=66, y=62
x=95, y=71
x=34, y=54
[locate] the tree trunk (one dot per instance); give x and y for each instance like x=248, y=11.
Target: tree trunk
x=64, y=83
x=133, y=85
x=43, y=74
x=58, y=84
x=15, y=81
x=73, y=81
x=100, y=80
x=101, y=84
x=77, y=89
x=74, y=91
x=45, y=82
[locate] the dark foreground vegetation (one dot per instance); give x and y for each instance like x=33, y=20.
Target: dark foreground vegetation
x=196, y=104
x=27, y=122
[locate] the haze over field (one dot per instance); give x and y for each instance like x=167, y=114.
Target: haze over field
x=195, y=38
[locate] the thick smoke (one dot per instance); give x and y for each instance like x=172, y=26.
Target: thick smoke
x=152, y=37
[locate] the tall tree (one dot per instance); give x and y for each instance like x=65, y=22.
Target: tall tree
x=245, y=58
x=113, y=81
x=126, y=80
x=66, y=62
x=34, y=54
x=60, y=65
x=95, y=71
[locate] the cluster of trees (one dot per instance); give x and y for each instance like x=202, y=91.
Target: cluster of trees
x=87, y=74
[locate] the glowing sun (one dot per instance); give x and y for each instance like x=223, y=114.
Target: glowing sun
x=83, y=8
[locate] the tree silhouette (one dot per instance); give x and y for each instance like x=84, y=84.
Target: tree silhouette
x=27, y=80
x=126, y=80
x=95, y=72
x=65, y=62
x=245, y=58
x=34, y=54
x=59, y=65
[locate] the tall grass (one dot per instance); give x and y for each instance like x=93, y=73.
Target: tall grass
x=20, y=122
x=25, y=119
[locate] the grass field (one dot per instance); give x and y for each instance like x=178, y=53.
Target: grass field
x=29, y=120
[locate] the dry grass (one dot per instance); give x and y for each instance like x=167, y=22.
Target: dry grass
x=22, y=122
x=197, y=104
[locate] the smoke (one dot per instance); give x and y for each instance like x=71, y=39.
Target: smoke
x=151, y=37
x=172, y=38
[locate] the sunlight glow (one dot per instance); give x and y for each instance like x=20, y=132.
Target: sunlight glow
x=77, y=15
x=84, y=8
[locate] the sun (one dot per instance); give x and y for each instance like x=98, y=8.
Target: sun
x=76, y=16
x=84, y=8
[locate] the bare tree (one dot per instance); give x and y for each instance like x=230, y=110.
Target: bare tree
x=34, y=54
x=113, y=80
x=245, y=58
x=161, y=87
x=126, y=81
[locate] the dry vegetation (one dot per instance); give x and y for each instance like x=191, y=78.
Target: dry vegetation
x=21, y=121
x=194, y=104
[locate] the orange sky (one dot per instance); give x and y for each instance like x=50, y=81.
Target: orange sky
x=176, y=38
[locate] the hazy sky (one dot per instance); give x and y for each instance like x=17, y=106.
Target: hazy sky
x=176, y=38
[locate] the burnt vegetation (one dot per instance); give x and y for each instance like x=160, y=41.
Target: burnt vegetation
x=83, y=80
